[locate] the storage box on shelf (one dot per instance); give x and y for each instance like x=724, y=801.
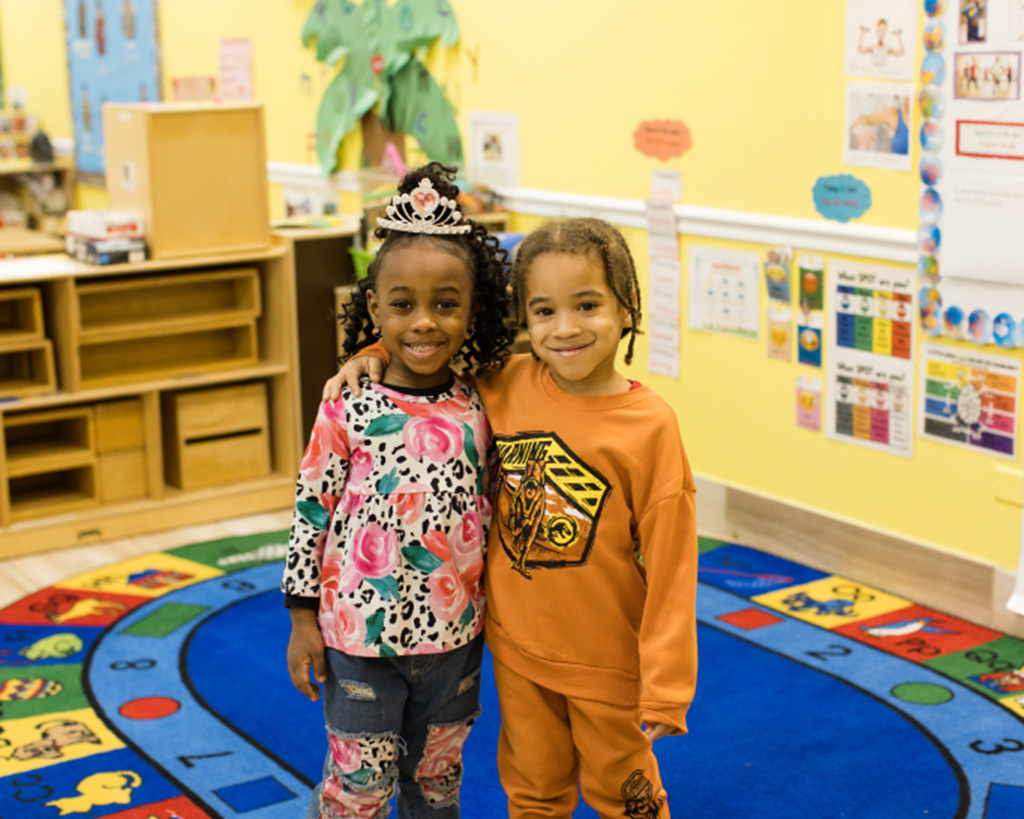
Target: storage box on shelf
x=204, y=346
x=197, y=173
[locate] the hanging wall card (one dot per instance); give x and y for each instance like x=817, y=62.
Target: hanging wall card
x=970, y=399
x=879, y=124
x=494, y=148
x=724, y=293
x=869, y=400
x=881, y=38
x=776, y=273
x=808, y=403
x=113, y=56
x=663, y=295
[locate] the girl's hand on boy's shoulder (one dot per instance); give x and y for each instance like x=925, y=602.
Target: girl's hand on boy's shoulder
x=350, y=373
x=305, y=651
x=657, y=730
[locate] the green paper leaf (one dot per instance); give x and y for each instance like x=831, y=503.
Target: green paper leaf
x=388, y=483
x=422, y=559
x=387, y=651
x=387, y=424
x=387, y=587
x=374, y=626
x=314, y=514
x=418, y=107
x=467, y=616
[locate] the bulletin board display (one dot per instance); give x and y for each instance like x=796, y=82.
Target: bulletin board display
x=113, y=56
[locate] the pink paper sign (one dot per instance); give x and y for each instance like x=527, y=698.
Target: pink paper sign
x=235, y=80
x=662, y=138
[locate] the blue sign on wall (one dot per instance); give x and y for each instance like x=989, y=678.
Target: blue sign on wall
x=113, y=56
x=842, y=197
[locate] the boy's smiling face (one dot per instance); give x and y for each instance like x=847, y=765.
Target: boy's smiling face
x=575, y=322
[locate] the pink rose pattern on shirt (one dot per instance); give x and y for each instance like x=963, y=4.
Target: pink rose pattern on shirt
x=391, y=521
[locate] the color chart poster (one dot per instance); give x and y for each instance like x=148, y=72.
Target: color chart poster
x=970, y=399
x=113, y=56
x=870, y=401
x=870, y=359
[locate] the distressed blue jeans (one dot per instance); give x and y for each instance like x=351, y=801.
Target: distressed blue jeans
x=397, y=721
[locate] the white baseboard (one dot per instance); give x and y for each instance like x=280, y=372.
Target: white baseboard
x=937, y=578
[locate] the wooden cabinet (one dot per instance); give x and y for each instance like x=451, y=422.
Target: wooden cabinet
x=173, y=398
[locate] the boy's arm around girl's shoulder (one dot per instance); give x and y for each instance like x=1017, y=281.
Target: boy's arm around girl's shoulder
x=667, y=531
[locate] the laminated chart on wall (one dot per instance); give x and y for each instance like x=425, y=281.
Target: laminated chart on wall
x=870, y=360
x=724, y=291
x=969, y=399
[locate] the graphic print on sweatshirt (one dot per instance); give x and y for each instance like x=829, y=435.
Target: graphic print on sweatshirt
x=548, y=503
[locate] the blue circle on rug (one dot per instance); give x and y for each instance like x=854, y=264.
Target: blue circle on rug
x=761, y=728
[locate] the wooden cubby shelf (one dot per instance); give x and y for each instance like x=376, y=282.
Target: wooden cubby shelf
x=144, y=396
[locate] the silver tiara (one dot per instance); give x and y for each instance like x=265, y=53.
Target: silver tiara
x=423, y=211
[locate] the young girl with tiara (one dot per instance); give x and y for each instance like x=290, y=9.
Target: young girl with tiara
x=386, y=549
x=592, y=556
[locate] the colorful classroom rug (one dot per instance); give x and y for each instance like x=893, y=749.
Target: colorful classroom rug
x=156, y=688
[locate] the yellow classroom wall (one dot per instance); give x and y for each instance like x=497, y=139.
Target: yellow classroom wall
x=761, y=87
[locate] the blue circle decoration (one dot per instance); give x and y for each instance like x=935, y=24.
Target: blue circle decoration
x=1004, y=330
x=953, y=321
x=928, y=269
x=934, y=36
x=932, y=102
x=842, y=197
x=979, y=327
x=929, y=207
x=929, y=239
x=931, y=168
x=930, y=306
x=932, y=135
x=934, y=8
x=933, y=69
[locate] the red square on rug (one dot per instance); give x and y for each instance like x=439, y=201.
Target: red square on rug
x=749, y=619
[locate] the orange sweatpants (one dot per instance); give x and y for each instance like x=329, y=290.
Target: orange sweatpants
x=551, y=744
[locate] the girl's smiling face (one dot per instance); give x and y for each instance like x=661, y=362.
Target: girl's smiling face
x=422, y=303
x=575, y=322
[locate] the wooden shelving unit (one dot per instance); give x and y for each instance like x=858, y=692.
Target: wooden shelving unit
x=175, y=399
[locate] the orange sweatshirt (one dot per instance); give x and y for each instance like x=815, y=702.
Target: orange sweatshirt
x=591, y=568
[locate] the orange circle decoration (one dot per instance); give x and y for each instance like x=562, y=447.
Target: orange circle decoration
x=149, y=708
x=810, y=283
x=662, y=138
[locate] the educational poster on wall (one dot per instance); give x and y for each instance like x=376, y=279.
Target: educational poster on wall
x=881, y=38
x=870, y=400
x=494, y=148
x=972, y=172
x=810, y=321
x=870, y=358
x=724, y=293
x=970, y=399
x=808, y=403
x=872, y=308
x=113, y=56
x=879, y=122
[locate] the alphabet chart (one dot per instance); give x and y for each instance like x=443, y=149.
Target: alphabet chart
x=870, y=360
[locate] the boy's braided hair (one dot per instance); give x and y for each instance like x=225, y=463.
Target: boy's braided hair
x=584, y=237
x=487, y=346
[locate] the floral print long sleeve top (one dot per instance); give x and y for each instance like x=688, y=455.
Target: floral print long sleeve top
x=391, y=519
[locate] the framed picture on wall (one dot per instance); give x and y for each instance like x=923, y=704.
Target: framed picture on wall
x=113, y=56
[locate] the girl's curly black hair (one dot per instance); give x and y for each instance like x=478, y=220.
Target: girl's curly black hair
x=487, y=346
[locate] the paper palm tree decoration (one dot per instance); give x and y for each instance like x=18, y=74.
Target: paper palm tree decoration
x=378, y=45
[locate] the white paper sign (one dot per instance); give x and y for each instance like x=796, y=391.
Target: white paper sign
x=724, y=291
x=235, y=75
x=666, y=184
x=494, y=148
